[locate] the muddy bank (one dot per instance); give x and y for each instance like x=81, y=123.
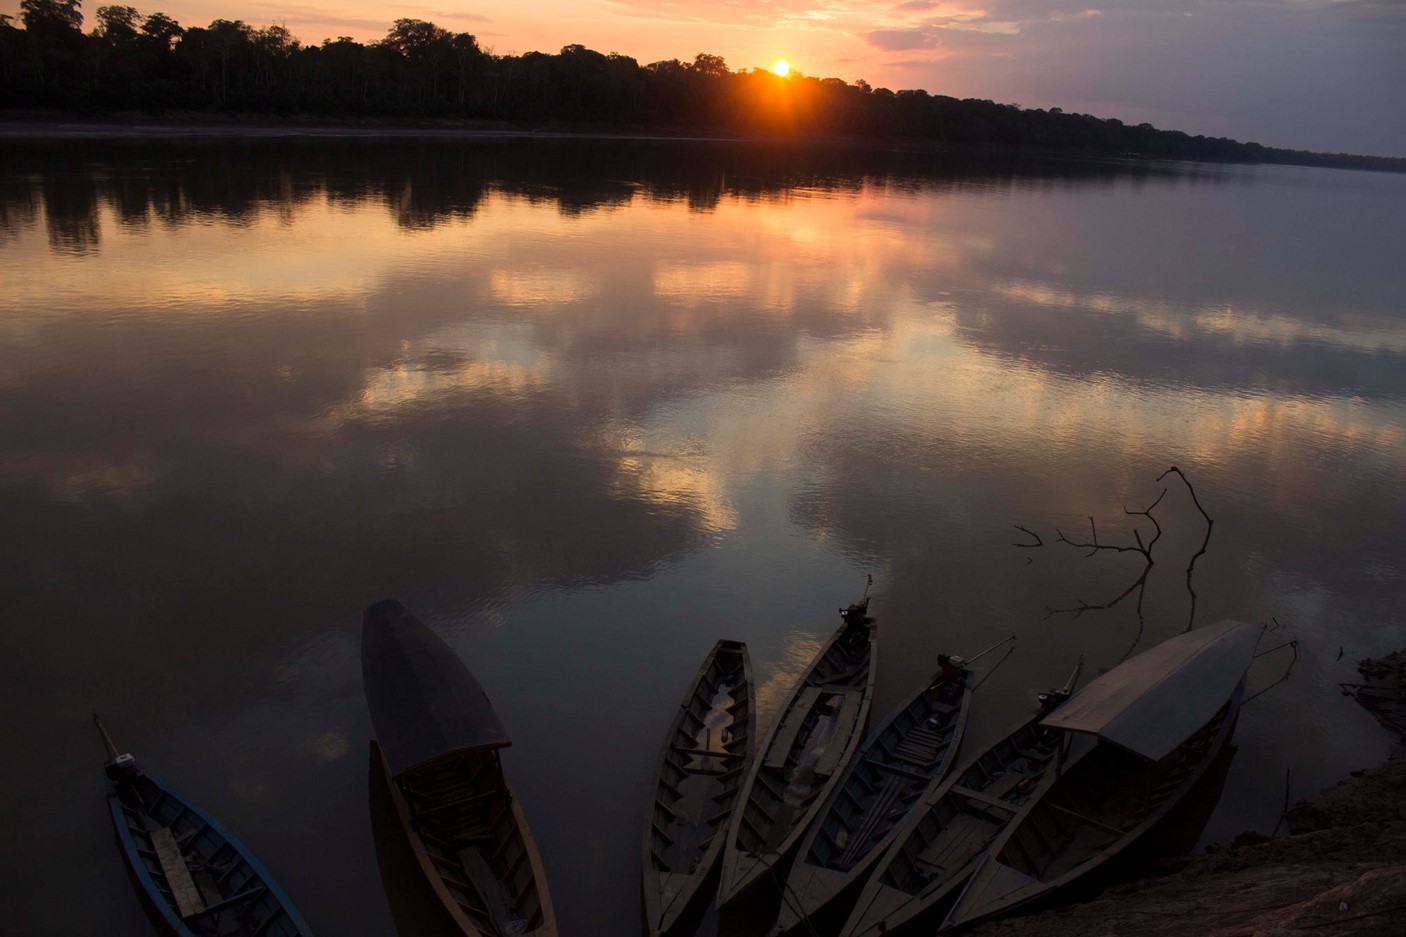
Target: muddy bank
x=1340, y=870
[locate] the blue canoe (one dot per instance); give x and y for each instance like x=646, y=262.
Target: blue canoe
x=198, y=877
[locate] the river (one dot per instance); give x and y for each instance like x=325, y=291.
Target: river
x=587, y=406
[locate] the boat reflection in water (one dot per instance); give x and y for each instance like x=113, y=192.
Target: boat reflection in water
x=435, y=760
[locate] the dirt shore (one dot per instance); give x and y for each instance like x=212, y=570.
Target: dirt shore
x=1340, y=871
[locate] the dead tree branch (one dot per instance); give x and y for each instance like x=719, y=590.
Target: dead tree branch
x=1028, y=546
x=1141, y=545
x=1210, y=523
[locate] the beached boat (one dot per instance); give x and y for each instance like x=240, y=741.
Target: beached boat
x=902, y=760
x=936, y=848
x=437, y=747
x=200, y=880
x=1139, y=738
x=816, y=733
x=707, y=754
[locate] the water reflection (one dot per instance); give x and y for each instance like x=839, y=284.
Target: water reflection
x=594, y=406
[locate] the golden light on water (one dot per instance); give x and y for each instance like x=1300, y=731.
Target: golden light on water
x=782, y=67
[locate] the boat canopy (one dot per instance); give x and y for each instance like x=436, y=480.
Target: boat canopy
x=424, y=702
x=1154, y=702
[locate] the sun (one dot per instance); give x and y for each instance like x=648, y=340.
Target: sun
x=782, y=67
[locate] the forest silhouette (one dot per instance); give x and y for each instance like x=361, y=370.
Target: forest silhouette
x=150, y=63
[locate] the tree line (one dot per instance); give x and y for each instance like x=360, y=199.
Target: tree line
x=131, y=61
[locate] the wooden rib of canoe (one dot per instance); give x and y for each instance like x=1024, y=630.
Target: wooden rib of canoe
x=814, y=738
x=200, y=879
x=1141, y=736
x=935, y=850
x=707, y=754
x=437, y=747
x=902, y=760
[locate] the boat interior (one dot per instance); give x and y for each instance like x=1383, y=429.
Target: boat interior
x=703, y=768
x=198, y=873
x=1098, y=801
x=973, y=810
x=462, y=810
x=809, y=744
x=892, y=773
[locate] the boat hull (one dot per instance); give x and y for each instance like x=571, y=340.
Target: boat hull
x=997, y=889
x=900, y=763
x=815, y=736
x=234, y=889
x=944, y=837
x=436, y=865
x=694, y=792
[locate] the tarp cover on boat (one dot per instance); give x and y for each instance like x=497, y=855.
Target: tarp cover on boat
x=424, y=702
x=1157, y=700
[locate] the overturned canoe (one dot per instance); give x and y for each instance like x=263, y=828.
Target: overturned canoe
x=707, y=754
x=814, y=738
x=901, y=760
x=1140, y=737
x=936, y=848
x=437, y=747
x=201, y=880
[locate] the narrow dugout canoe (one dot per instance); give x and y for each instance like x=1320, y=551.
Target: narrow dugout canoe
x=201, y=881
x=706, y=755
x=815, y=736
x=935, y=849
x=437, y=746
x=902, y=760
x=1140, y=736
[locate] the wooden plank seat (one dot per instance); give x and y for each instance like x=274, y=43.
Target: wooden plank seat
x=920, y=745
x=707, y=753
x=984, y=797
x=173, y=866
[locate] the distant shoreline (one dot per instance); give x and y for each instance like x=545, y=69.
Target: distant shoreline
x=31, y=125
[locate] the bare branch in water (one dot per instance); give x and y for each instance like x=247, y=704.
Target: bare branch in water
x=1287, y=670
x=1028, y=546
x=1141, y=546
x=1210, y=523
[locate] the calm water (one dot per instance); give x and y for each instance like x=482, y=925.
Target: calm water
x=588, y=407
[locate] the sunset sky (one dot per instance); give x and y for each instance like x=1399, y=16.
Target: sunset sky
x=1316, y=74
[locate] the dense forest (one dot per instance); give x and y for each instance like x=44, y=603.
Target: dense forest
x=151, y=63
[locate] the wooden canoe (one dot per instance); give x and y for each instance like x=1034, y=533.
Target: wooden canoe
x=201, y=881
x=813, y=740
x=706, y=755
x=936, y=848
x=902, y=760
x=1140, y=737
x=437, y=746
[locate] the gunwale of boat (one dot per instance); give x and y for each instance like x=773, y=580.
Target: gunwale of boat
x=942, y=799
x=127, y=819
x=512, y=818
x=1036, y=888
x=737, y=881
x=660, y=915
x=813, y=884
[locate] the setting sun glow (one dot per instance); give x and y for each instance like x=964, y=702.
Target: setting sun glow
x=782, y=67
